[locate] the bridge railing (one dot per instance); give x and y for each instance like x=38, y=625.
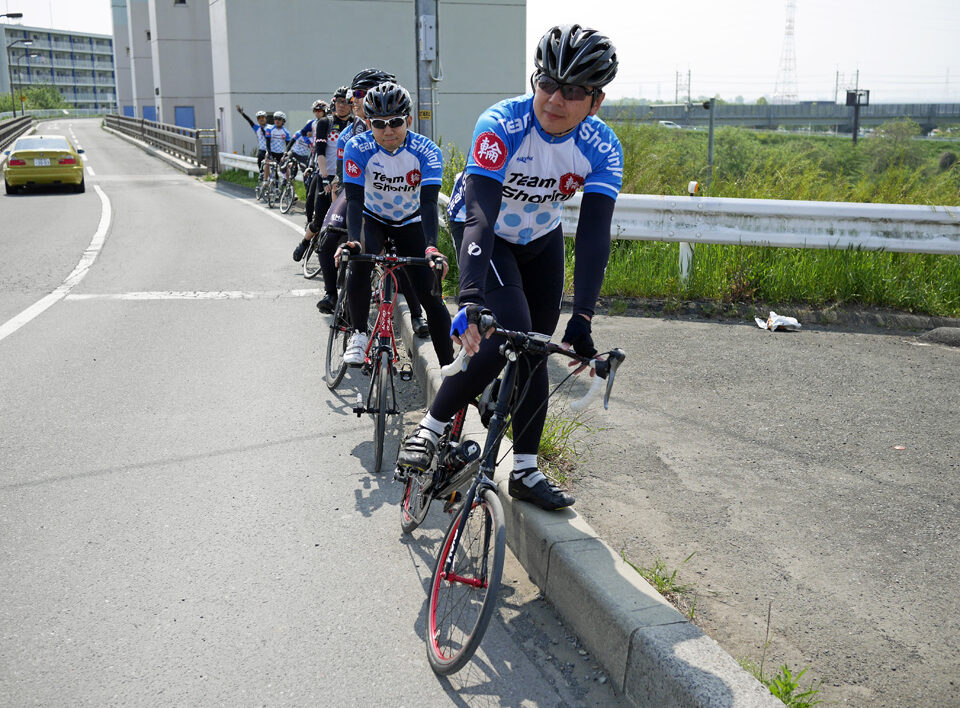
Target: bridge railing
x=12, y=129
x=196, y=145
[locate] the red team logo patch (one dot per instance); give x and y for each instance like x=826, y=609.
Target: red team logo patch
x=489, y=151
x=352, y=168
x=339, y=153
x=570, y=183
x=413, y=178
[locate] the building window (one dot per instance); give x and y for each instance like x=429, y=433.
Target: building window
x=148, y=35
x=179, y=2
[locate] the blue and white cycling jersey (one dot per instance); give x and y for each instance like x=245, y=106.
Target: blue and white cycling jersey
x=261, y=136
x=355, y=128
x=391, y=181
x=337, y=127
x=277, y=138
x=303, y=139
x=457, y=208
x=538, y=171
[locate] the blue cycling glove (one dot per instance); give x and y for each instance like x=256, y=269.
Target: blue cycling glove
x=468, y=315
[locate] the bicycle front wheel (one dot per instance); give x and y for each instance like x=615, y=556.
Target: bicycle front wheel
x=288, y=197
x=381, y=385
x=261, y=187
x=336, y=367
x=462, y=602
x=311, y=259
x=272, y=194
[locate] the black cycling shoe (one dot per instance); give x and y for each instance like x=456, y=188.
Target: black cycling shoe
x=420, y=328
x=327, y=304
x=543, y=494
x=417, y=453
x=300, y=250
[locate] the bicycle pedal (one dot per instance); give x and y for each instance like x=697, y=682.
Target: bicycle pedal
x=451, y=502
x=400, y=474
x=406, y=372
x=359, y=410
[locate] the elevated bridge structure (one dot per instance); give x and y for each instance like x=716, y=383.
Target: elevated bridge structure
x=820, y=114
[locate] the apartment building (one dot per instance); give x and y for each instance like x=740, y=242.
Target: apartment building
x=80, y=65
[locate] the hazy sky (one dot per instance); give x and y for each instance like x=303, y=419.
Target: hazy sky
x=905, y=50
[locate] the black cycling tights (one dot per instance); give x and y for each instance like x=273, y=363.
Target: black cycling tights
x=524, y=287
x=409, y=241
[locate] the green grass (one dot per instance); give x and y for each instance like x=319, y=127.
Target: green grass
x=665, y=582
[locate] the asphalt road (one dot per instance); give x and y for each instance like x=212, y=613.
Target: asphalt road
x=816, y=470
x=186, y=514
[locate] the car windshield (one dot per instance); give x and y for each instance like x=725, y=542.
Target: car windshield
x=38, y=143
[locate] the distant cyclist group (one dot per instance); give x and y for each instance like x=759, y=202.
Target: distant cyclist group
x=374, y=186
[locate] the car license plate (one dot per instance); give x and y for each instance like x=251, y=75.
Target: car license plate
x=41, y=162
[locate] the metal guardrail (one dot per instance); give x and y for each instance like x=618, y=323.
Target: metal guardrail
x=12, y=129
x=902, y=228
x=244, y=162
x=196, y=145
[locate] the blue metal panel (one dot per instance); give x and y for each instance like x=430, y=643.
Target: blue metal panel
x=150, y=113
x=183, y=116
x=128, y=111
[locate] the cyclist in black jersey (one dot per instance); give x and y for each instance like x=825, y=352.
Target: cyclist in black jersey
x=529, y=155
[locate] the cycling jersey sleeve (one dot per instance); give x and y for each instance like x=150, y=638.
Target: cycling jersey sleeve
x=354, y=163
x=482, y=196
x=354, y=194
x=606, y=159
x=493, y=143
x=429, y=212
x=320, y=134
x=591, y=250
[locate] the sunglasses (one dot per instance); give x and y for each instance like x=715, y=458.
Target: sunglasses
x=569, y=92
x=358, y=93
x=380, y=124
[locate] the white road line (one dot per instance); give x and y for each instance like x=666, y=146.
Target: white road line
x=198, y=295
x=72, y=280
x=268, y=212
x=90, y=171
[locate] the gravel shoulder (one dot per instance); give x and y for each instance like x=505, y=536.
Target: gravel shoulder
x=814, y=470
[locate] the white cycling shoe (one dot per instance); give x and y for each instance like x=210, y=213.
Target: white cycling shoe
x=355, y=349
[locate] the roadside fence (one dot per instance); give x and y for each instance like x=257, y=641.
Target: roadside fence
x=12, y=129
x=196, y=145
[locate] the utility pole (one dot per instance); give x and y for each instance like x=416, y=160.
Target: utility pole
x=427, y=55
x=688, y=85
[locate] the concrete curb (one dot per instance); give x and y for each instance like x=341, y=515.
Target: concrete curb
x=652, y=653
x=182, y=165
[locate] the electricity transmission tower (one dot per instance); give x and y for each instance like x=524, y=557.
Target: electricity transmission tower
x=786, y=87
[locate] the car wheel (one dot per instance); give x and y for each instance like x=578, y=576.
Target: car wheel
x=80, y=188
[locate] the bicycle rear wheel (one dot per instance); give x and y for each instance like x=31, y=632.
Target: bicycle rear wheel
x=260, y=191
x=311, y=259
x=336, y=367
x=380, y=384
x=415, y=502
x=288, y=197
x=461, y=604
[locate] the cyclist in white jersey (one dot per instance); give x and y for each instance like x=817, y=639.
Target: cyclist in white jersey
x=530, y=154
x=259, y=129
x=392, y=181
x=277, y=137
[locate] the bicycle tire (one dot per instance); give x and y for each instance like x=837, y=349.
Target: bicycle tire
x=271, y=194
x=311, y=260
x=380, y=415
x=335, y=366
x=288, y=197
x=452, y=635
x=414, y=504
x=259, y=190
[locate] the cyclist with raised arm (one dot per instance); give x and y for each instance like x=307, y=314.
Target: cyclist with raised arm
x=259, y=129
x=529, y=155
x=391, y=177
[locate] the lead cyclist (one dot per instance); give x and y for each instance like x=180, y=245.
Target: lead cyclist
x=530, y=154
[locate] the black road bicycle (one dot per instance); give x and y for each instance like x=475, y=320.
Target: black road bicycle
x=466, y=575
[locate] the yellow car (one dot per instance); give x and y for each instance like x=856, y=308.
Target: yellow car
x=42, y=159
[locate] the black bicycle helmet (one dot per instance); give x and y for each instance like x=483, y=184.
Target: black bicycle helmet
x=320, y=105
x=368, y=78
x=341, y=92
x=572, y=54
x=387, y=99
